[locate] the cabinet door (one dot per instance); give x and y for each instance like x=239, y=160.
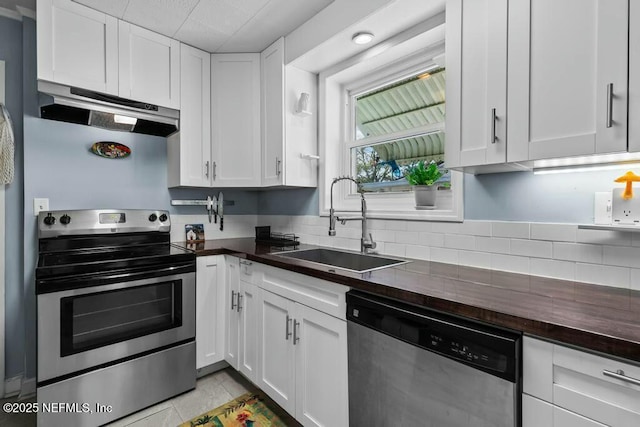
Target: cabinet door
x=248, y=309
x=634, y=76
x=232, y=319
x=77, y=46
x=567, y=78
x=235, y=119
x=476, y=88
x=209, y=317
x=149, y=65
x=276, y=368
x=272, y=64
x=320, y=340
x=189, y=150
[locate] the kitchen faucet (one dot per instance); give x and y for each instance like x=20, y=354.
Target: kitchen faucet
x=366, y=242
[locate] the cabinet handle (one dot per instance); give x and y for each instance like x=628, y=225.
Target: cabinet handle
x=610, y=105
x=239, y=300
x=214, y=171
x=206, y=173
x=243, y=262
x=493, y=125
x=619, y=375
x=277, y=166
x=233, y=297
x=288, y=333
x=296, y=338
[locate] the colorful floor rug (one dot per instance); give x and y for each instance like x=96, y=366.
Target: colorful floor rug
x=248, y=410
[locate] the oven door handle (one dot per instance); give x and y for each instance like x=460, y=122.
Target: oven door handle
x=44, y=286
x=121, y=282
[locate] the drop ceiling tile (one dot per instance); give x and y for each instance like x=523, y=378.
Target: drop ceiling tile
x=250, y=6
x=270, y=23
x=113, y=7
x=221, y=15
x=201, y=36
x=162, y=16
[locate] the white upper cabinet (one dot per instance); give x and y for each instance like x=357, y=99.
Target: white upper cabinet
x=529, y=80
x=476, y=87
x=567, y=78
x=235, y=119
x=634, y=76
x=149, y=65
x=77, y=46
x=289, y=137
x=189, y=150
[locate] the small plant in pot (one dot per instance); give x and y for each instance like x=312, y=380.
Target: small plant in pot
x=423, y=177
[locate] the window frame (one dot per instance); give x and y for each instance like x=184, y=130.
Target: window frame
x=341, y=85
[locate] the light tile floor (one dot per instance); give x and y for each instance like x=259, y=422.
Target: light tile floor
x=211, y=391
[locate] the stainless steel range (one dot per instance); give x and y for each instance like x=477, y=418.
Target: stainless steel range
x=116, y=315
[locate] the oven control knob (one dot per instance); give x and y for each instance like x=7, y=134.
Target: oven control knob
x=65, y=219
x=153, y=217
x=49, y=219
x=163, y=217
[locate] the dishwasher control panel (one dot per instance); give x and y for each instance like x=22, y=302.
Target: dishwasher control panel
x=482, y=346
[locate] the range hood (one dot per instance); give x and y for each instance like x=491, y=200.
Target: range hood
x=75, y=105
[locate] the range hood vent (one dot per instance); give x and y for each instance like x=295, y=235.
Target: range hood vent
x=85, y=107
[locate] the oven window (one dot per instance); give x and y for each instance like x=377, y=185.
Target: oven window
x=95, y=320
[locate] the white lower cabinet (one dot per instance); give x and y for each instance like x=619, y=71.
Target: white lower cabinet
x=303, y=361
x=241, y=313
x=566, y=387
x=209, y=310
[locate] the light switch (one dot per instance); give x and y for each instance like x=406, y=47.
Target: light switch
x=40, y=205
x=602, y=208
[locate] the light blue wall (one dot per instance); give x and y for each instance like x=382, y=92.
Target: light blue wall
x=11, y=53
x=298, y=201
x=523, y=196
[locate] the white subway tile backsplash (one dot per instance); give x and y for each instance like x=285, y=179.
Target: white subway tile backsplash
x=395, y=249
x=558, y=251
x=577, y=252
x=517, y=230
x=417, y=252
x=417, y=226
x=554, y=232
x=553, y=268
x=531, y=248
x=383, y=235
x=493, y=244
x=459, y=241
x=603, y=237
x=447, y=256
x=432, y=239
x=603, y=275
x=635, y=279
x=407, y=237
x=395, y=225
x=514, y=264
x=621, y=256
x=474, y=259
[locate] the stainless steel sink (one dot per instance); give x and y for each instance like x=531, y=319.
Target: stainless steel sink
x=352, y=261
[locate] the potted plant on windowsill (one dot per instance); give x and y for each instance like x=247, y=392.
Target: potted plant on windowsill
x=423, y=177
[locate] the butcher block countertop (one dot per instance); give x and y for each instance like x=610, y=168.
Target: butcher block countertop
x=598, y=318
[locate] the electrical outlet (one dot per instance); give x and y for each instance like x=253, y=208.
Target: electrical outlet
x=625, y=212
x=40, y=205
x=602, y=208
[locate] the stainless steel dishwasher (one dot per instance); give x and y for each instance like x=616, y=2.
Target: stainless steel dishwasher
x=410, y=366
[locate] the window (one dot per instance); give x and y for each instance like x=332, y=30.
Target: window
x=381, y=113
x=396, y=126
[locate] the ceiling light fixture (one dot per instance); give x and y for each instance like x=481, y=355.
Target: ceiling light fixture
x=362, y=38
